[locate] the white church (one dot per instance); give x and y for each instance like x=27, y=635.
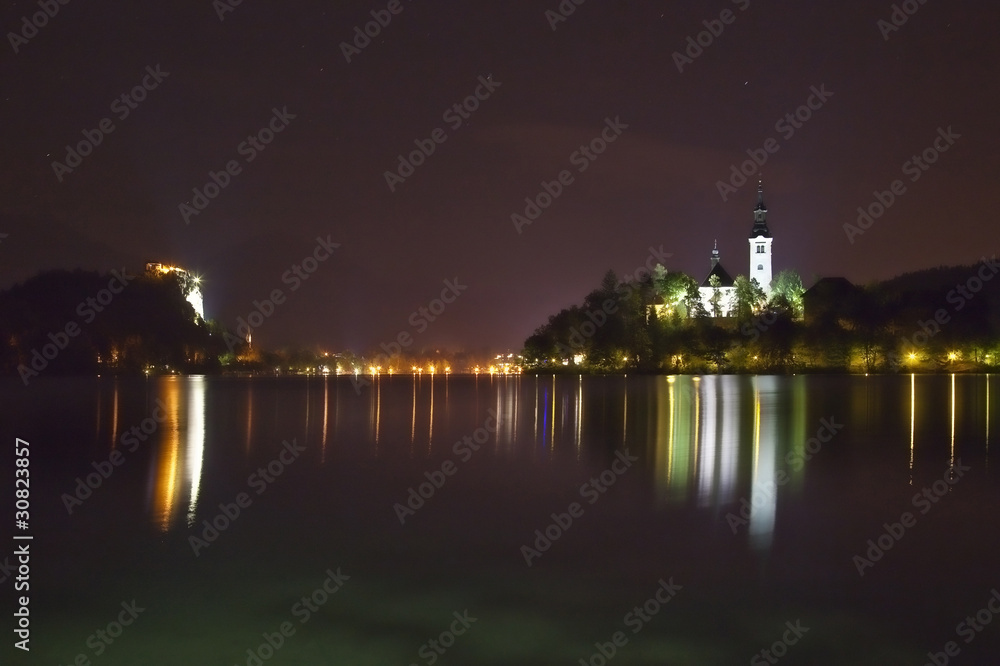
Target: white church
x=760, y=263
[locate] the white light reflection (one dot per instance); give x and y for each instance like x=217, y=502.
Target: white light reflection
x=709, y=390
x=763, y=492
x=195, y=441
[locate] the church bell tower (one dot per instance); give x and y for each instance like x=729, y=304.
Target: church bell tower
x=760, y=244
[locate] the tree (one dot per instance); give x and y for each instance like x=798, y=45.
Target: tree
x=786, y=293
x=692, y=300
x=716, y=300
x=748, y=297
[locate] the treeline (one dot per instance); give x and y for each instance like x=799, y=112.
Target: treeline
x=938, y=319
x=84, y=322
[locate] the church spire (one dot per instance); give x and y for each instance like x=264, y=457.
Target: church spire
x=760, y=244
x=760, y=215
x=715, y=254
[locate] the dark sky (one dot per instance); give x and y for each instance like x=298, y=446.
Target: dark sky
x=323, y=175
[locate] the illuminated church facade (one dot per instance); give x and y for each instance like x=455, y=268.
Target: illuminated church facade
x=759, y=266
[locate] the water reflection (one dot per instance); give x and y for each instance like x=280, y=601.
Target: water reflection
x=763, y=493
x=195, y=442
x=165, y=484
x=182, y=438
x=913, y=421
x=249, y=410
x=709, y=442
x=952, y=456
x=922, y=403
x=326, y=413
x=114, y=416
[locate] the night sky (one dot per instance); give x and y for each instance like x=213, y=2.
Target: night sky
x=323, y=175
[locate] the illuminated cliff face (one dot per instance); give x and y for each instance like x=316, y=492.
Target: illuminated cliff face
x=190, y=284
x=195, y=299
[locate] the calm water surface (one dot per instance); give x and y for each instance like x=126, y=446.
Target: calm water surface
x=755, y=497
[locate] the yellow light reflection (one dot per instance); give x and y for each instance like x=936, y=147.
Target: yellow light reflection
x=535, y=439
x=913, y=421
x=378, y=413
x=430, y=425
x=166, y=483
x=114, y=418
x=679, y=456
x=326, y=411
x=729, y=449
x=798, y=435
x=670, y=431
x=953, y=419
x=413, y=422
x=662, y=426
x=625, y=414
x=552, y=441
x=249, y=415
x=181, y=452
x=97, y=424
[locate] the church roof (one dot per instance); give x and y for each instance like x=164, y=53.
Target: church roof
x=724, y=278
x=760, y=216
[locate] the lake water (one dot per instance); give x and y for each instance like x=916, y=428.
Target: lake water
x=568, y=520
